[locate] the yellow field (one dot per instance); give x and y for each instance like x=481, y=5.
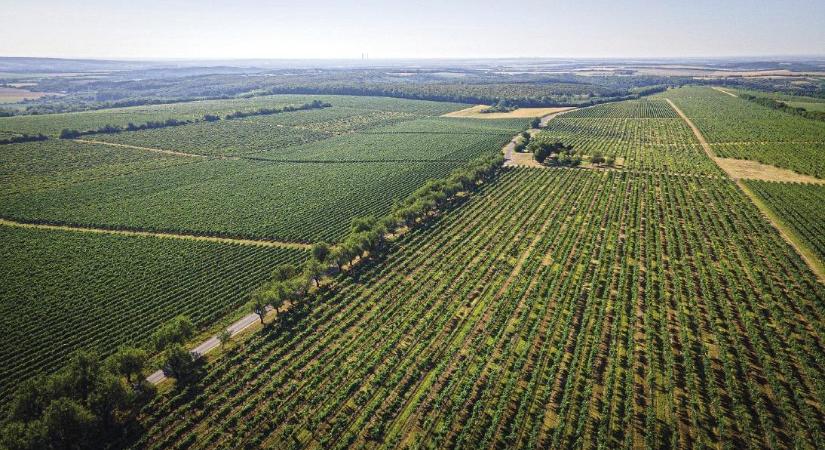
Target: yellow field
x=752, y=170
x=12, y=95
x=474, y=112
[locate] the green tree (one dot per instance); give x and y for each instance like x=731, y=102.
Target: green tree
x=68, y=424
x=258, y=304
x=535, y=123
x=610, y=160
x=313, y=270
x=176, y=331
x=320, y=251
x=179, y=363
x=284, y=272
x=127, y=361
x=224, y=337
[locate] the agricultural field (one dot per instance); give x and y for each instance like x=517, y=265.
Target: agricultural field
x=797, y=101
x=304, y=202
x=12, y=95
x=52, y=124
x=33, y=166
x=557, y=308
x=295, y=176
x=800, y=206
x=736, y=128
x=647, y=134
x=62, y=291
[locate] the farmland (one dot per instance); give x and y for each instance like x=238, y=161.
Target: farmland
x=62, y=291
x=556, y=307
x=305, y=176
x=800, y=206
x=647, y=134
x=368, y=272
x=250, y=199
x=736, y=128
x=52, y=124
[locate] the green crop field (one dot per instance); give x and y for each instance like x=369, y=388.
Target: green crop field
x=736, y=128
x=34, y=166
x=557, y=308
x=294, y=202
x=648, y=134
x=363, y=272
x=312, y=172
x=52, y=124
x=800, y=206
x=63, y=291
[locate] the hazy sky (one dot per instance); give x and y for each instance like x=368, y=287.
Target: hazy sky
x=439, y=28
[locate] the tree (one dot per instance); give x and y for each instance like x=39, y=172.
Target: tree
x=179, y=363
x=284, y=272
x=320, y=251
x=339, y=256
x=313, y=270
x=540, y=153
x=224, y=336
x=610, y=160
x=535, y=123
x=66, y=422
x=176, y=331
x=258, y=304
x=597, y=158
x=86, y=404
x=127, y=361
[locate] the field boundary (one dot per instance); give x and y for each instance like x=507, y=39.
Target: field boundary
x=785, y=232
x=156, y=234
x=726, y=92
x=252, y=157
x=136, y=147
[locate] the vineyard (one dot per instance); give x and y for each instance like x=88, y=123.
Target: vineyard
x=558, y=308
x=252, y=199
x=800, y=206
x=736, y=128
x=647, y=134
x=62, y=291
x=52, y=124
x=43, y=165
x=258, y=134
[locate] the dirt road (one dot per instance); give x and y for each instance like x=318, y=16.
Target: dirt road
x=788, y=234
x=192, y=237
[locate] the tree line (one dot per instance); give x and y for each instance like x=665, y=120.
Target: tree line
x=93, y=402
x=111, y=129
x=24, y=138
x=291, y=284
x=784, y=107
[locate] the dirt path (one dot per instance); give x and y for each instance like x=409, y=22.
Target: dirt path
x=148, y=149
x=515, y=159
x=191, y=237
x=725, y=92
x=475, y=112
x=786, y=232
x=212, y=343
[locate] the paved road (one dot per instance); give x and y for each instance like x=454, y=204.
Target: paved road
x=213, y=342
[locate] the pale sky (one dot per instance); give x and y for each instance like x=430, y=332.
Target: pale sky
x=410, y=29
